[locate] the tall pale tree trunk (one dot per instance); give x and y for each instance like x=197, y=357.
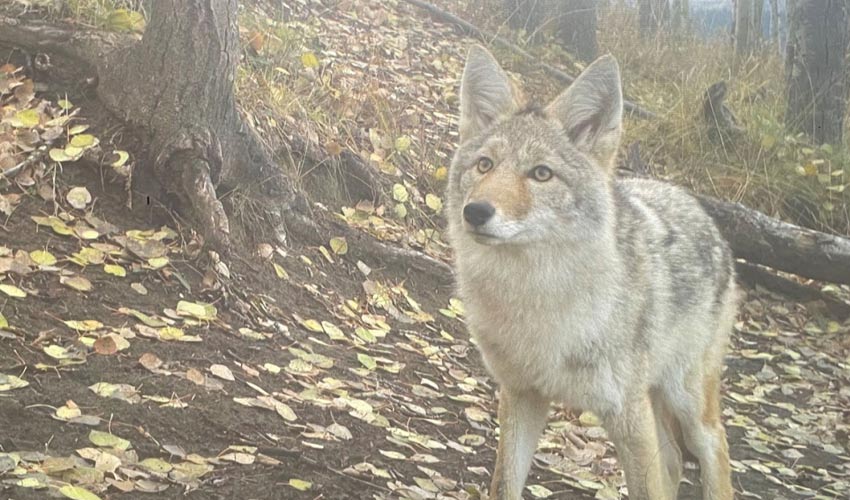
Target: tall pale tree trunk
x=653, y=15
x=816, y=69
x=681, y=14
x=745, y=33
x=774, y=22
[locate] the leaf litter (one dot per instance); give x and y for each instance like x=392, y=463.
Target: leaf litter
x=375, y=363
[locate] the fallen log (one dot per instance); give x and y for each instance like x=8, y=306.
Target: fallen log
x=633, y=109
x=761, y=239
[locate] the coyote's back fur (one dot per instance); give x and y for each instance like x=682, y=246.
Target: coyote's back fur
x=615, y=296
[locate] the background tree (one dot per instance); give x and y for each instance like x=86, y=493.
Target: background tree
x=816, y=68
x=681, y=14
x=573, y=22
x=524, y=14
x=175, y=88
x=747, y=27
x=652, y=16
x=774, y=22
x=576, y=27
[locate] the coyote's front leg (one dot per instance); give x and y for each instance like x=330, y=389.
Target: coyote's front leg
x=635, y=437
x=522, y=416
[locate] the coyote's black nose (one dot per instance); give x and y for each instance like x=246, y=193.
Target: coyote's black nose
x=479, y=212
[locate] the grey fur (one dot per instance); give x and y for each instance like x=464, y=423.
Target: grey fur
x=597, y=292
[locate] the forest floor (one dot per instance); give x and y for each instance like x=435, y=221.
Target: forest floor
x=131, y=363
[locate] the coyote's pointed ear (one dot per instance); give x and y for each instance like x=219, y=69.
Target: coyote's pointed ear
x=591, y=110
x=485, y=93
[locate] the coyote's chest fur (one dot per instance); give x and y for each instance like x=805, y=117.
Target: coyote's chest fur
x=544, y=325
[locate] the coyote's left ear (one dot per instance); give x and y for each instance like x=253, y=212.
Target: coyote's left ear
x=591, y=110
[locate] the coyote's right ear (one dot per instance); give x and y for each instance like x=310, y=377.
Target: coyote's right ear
x=485, y=93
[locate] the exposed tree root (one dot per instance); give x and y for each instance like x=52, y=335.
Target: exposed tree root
x=363, y=244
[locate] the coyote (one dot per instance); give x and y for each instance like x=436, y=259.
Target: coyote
x=609, y=295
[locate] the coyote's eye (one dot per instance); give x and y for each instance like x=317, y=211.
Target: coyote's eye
x=541, y=173
x=484, y=164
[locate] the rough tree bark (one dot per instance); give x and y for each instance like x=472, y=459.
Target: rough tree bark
x=573, y=22
x=175, y=88
x=816, y=69
x=653, y=15
x=764, y=240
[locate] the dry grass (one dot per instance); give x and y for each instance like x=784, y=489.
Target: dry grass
x=779, y=174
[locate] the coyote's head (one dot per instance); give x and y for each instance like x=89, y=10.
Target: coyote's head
x=526, y=174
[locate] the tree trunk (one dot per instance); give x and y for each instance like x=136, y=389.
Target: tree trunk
x=652, y=16
x=745, y=29
x=758, y=24
x=576, y=25
x=774, y=22
x=572, y=21
x=764, y=240
x=177, y=85
x=524, y=14
x=681, y=15
x=816, y=69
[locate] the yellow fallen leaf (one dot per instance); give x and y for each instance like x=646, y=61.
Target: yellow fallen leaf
x=27, y=118
x=312, y=325
x=280, y=271
x=123, y=156
x=441, y=173
x=201, y=311
x=309, y=60
x=339, y=246
x=13, y=291
x=433, y=202
x=85, y=325
x=107, y=440
x=333, y=331
x=58, y=155
x=400, y=193
x=158, y=262
x=9, y=382
x=171, y=333
x=56, y=352
x=79, y=197
x=42, y=258
x=84, y=141
x=115, y=270
x=300, y=485
x=68, y=411
x=77, y=493
x=77, y=283
x=402, y=143
x=156, y=465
